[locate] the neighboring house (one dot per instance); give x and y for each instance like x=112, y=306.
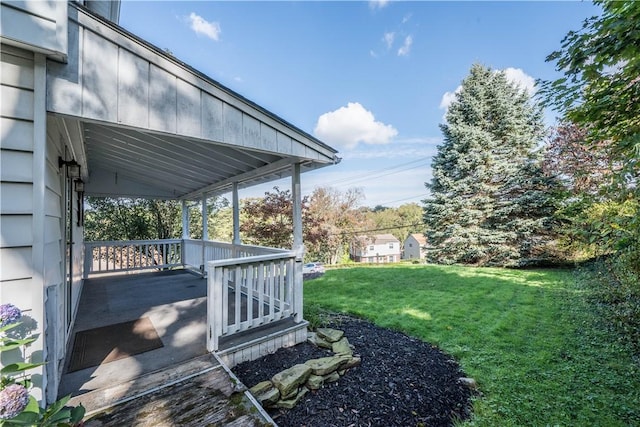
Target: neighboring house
x=90, y=109
x=380, y=248
x=415, y=247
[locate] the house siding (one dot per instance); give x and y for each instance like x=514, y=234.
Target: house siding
x=54, y=268
x=21, y=211
x=412, y=248
x=150, y=91
x=382, y=249
x=38, y=25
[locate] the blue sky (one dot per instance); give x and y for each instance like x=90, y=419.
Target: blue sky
x=371, y=79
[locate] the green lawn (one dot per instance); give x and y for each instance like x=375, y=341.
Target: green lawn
x=528, y=337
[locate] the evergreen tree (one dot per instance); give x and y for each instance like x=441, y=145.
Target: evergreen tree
x=490, y=202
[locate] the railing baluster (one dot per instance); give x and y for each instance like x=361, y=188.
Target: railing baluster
x=225, y=299
x=238, y=296
x=260, y=285
x=280, y=288
x=249, y=279
x=271, y=291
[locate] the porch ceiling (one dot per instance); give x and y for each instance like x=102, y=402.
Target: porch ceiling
x=128, y=162
x=143, y=124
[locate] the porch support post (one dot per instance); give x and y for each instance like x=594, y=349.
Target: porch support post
x=205, y=218
x=205, y=232
x=185, y=233
x=185, y=220
x=298, y=246
x=236, y=215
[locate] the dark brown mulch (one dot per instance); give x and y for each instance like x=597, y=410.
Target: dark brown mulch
x=402, y=381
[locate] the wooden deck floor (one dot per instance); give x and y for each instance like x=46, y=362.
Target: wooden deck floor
x=179, y=384
x=207, y=398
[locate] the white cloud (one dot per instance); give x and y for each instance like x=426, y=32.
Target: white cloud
x=350, y=125
x=378, y=4
x=448, y=98
x=373, y=54
x=521, y=79
x=406, y=18
x=203, y=27
x=406, y=47
x=514, y=75
x=388, y=39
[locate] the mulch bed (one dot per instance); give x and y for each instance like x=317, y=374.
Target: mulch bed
x=401, y=381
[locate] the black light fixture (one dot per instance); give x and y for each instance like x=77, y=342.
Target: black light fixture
x=79, y=185
x=73, y=168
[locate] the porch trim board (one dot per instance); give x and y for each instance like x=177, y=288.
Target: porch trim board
x=263, y=345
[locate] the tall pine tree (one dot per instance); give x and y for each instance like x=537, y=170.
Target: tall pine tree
x=490, y=202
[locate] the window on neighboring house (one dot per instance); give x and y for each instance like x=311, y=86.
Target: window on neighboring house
x=410, y=245
x=390, y=245
x=391, y=258
x=371, y=247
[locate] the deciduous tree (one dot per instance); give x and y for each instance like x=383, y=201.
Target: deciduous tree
x=600, y=92
x=338, y=218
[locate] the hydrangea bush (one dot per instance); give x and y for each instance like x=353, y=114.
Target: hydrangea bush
x=17, y=406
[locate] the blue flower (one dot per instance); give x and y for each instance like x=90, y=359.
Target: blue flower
x=13, y=399
x=9, y=314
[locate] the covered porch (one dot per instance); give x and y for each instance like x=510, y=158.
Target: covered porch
x=174, y=303
x=126, y=119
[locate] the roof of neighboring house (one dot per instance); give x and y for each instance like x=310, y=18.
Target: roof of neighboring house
x=420, y=238
x=379, y=239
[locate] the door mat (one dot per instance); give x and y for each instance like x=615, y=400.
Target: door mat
x=106, y=344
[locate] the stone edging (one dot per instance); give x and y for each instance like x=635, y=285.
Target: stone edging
x=287, y=388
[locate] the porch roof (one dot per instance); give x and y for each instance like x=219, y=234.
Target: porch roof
x=144, y=124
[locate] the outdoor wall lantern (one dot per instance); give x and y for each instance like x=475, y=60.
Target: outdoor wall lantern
x=79, y=185
x=73, y=168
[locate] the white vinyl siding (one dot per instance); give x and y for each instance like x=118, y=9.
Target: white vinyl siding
x=413, y=248
x=36, y=25
x=16, y=176
x=22, y=146
x=156, y=93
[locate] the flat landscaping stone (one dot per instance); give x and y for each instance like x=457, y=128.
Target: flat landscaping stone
x=261, y=388
x=288, y=404
x=342, y=347
x=332, y=377
x=315, y=382
x=329, y=334
x=289, y=379
x=354, y=361
x=269, y=397
x=326, y=365
x=316, y=340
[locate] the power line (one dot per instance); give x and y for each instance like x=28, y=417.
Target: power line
x=401, y=200
x=379, y=229
x=386, y=174
x=380, y=172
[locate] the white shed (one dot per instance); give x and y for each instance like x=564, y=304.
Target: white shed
x=415, y=247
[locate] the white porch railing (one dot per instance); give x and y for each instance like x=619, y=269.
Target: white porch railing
x=248, y=286
x=198, y=252
x=122, y=256
x=130, y=255
x=245, y=293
